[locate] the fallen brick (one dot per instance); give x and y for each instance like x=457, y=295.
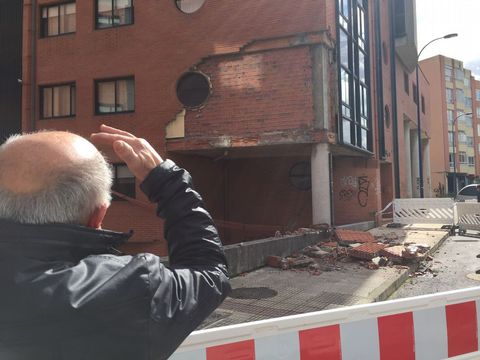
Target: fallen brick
x=300, y=262
x=393, y=253
x=318, y=253
x=366, y=251
x=346, y=237
x=274, y=261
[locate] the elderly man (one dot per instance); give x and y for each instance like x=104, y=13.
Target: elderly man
x=64, y=293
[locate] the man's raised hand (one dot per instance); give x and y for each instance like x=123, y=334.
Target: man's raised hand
x=138, y=154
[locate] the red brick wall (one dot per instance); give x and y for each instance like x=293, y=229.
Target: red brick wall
x=161, y=45
x=255, y=93
x=259, y=192
x=356, y=190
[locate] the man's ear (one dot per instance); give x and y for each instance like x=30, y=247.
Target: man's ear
x=96, y=218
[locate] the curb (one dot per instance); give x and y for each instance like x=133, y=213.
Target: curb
x=384, y=291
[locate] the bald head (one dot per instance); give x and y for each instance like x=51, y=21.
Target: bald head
x=33, y=162
x=52, y=176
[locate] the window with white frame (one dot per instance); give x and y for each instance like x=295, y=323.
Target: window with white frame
x=468, y=102
x=448, y=72
x=450, y=117
x=477, y=94
x=462, y=157
x=449, y=93
x=471, y=161
x=462, y=137
x=470, y=141
x=460, y=97
x=459, y=74
x=450, y=138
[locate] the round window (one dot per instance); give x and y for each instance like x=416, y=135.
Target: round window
x=189, y=6
x=300, y=176
x=193, y=89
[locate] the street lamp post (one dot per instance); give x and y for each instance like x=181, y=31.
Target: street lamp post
x=454, y=152
x=419, y=129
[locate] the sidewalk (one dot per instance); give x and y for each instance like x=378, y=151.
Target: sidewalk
x=269, y=292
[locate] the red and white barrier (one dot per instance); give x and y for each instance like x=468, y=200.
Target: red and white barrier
x=431, y=327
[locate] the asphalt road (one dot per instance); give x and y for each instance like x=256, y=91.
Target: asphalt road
x=451, y=264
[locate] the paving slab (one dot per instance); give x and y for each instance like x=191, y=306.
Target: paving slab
x=269, y=293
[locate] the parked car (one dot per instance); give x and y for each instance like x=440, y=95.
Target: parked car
x=467, y=193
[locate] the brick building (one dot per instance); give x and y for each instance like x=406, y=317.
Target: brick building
x=287, y=113
x=455, y=94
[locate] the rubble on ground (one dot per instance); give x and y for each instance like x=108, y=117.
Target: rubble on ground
x=362, y=247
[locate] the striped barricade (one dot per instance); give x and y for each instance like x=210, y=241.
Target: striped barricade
x=432, y=327
x=423, y=211
x=467, y=215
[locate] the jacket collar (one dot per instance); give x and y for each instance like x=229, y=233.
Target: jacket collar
x=61, y=237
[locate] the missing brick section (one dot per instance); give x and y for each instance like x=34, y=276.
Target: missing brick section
x=344, y=246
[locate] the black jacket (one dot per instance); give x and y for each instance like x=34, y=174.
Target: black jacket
x=65, y=295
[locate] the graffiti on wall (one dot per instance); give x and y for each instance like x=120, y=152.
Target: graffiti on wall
x=354, y=185
x=363, y=186
x=440, y=190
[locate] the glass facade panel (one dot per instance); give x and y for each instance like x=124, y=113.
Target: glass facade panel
x=354, y=72
x=344, y=53
x=347, y=131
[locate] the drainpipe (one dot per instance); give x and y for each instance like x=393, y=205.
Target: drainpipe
x=379, y=77
x=330, y=172
x=33, y=64
x=393, y=77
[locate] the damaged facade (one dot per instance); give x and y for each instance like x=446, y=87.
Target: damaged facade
x=287, y=116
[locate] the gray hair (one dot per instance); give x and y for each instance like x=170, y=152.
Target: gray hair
x=72, y=197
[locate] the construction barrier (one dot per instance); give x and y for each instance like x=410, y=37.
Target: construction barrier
x=467, y=215
x=431, y=327
x=423, y=211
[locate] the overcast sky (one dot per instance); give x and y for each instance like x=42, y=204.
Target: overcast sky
x=436, y=18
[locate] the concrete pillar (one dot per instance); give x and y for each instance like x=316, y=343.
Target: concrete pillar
x=408, y=158
x=321, y=199
x=415, y=163
x=427, y=172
